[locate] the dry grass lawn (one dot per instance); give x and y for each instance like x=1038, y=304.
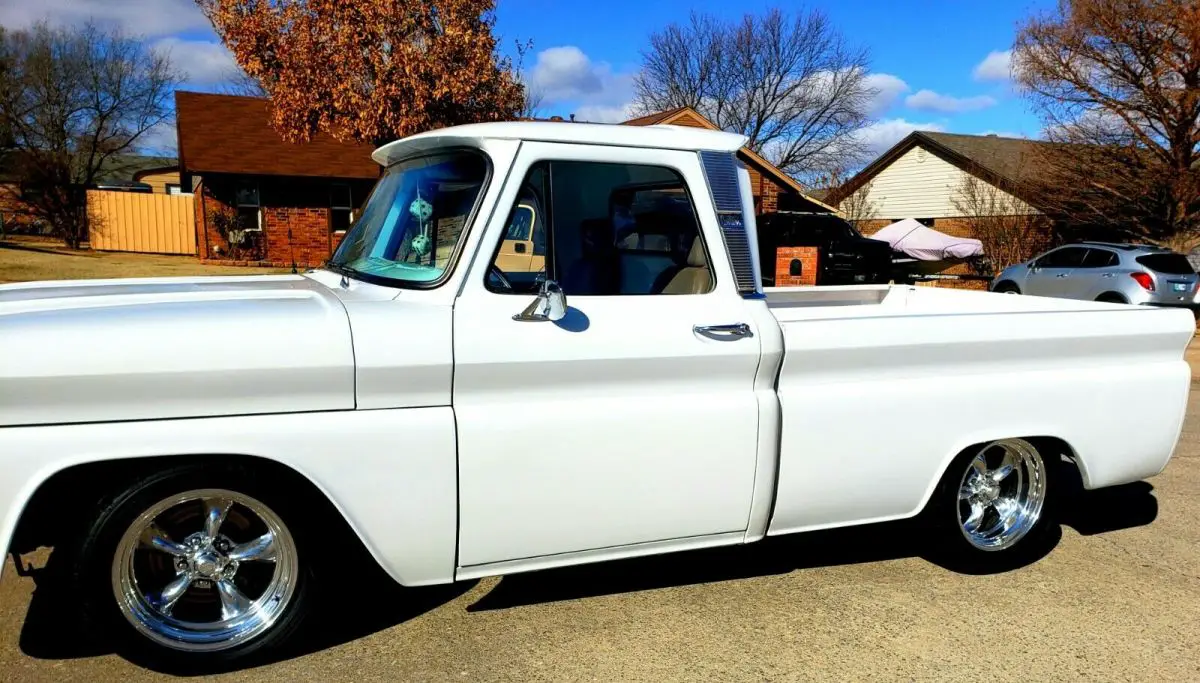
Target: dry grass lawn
x=26, y=260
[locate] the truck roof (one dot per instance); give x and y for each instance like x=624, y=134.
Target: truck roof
x=658, y=137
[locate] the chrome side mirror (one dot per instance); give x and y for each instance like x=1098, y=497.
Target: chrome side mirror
x=550, y=304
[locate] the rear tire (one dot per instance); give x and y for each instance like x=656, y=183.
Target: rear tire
x=1111, y=298
x=1007, y=287
x=196, y=568
x=994, y=508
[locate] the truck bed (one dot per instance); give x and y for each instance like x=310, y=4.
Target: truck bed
x=938, y=370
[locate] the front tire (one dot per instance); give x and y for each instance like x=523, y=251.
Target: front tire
x=994, y=507
x=1007, y=287
x=196, y=567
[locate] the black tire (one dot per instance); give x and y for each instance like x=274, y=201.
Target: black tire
x=1007, y=287
x=93, y=575
x=1111, y=298
x=951, y=545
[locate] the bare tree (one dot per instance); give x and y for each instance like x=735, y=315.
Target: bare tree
x=1117, y=83
x=1011, y=231
x=532, y=97
x=71, y=102
x=792, y=84
x=238, y=82
x=858, y=207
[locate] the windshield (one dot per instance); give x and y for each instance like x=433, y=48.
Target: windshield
x=409, y=230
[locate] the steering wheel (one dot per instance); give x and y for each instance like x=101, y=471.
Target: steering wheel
x=500, y=277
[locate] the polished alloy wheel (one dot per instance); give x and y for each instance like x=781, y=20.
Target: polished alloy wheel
x=205, y=570
x=1002, y=494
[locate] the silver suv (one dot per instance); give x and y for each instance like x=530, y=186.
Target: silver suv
x=1100, y=271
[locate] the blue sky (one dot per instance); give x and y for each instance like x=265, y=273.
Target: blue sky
x=938, y=64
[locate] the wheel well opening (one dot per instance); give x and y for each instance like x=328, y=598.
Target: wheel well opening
x=1051, y=448
x=1070, y=468
x=65, y=504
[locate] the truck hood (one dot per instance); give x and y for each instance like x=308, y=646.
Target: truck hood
x=155, y=348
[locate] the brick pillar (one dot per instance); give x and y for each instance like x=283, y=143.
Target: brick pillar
x=807, y=256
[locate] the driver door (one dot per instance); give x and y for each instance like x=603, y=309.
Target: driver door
x=622, y=425
x=1053, y=271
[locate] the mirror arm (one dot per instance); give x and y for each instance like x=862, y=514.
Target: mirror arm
x=549, y=305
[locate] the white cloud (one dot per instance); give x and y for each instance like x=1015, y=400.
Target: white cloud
x=928, y=100
x=888, y=89
x=564, y=73
x=202, y=61
x=599, y=113
x=571, y=82
x=151, y=18
x=997, y=66
x=881, y=135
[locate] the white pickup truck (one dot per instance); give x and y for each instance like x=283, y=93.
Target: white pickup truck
x=197, y=448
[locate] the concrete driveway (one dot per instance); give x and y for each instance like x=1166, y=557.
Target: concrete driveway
x=1118, y=599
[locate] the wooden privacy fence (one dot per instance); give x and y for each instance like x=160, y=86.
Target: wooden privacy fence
x=150, y=223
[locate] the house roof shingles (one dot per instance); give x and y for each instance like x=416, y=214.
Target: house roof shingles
x=233, y=134
x=1006, y=157
x=996, y=159
x=655, y=118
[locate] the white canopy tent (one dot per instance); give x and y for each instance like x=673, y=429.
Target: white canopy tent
x=909, y=237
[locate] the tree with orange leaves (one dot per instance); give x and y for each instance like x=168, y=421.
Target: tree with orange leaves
x=370, y=70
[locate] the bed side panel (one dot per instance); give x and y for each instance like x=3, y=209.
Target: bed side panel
x=875, y=408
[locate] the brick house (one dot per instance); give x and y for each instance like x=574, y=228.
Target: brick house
x=773, y=189
x=292, y=202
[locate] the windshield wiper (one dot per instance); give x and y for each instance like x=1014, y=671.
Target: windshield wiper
x=340, y=269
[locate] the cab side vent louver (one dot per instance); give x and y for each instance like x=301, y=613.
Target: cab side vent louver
x=721, y=171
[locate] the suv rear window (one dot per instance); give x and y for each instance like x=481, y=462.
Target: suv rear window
x=1170, y=264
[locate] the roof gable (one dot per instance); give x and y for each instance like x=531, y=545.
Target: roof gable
x=997, y=160
x=233, y=134
x=686, y=116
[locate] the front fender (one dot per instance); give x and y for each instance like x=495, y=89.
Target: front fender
x=391, y=474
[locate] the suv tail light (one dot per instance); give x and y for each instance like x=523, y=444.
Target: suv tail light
x=1144, y=280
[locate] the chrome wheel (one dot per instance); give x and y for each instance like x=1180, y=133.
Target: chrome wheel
x=1002, y=493
x=205, y=570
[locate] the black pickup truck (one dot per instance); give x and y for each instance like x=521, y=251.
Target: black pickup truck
x=844, y=256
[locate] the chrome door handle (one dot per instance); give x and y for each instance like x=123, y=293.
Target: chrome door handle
x=1062, y=275
x=734, y=331
x=1106, y=274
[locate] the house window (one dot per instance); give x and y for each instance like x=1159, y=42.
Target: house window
x=248, y=206
x=341, y=209
x=174, y=189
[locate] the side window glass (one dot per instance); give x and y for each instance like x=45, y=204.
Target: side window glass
x=1099, y=258
x=521, y=225
x=602, y=230
x=1070, y=257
